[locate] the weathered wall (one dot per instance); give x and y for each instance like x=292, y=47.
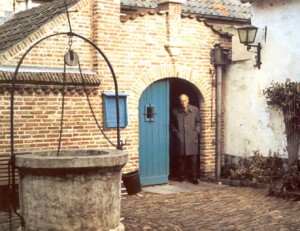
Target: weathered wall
x=249, y=123
x=8, y=7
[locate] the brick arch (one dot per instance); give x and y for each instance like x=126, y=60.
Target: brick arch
x=202, y=83
x=170, y=70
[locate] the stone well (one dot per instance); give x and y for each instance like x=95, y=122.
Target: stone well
x=77, y=190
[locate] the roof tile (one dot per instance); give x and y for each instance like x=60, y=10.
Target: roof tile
x=49, y=78
x=26, y=22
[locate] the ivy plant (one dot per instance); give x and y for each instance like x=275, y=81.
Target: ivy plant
x=286, y=96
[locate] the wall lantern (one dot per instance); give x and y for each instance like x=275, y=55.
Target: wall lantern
x=247, y=36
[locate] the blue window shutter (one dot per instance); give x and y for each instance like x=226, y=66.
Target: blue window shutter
x=109, y=106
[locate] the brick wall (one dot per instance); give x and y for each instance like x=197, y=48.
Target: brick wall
x=137, y=51
x=37, y=122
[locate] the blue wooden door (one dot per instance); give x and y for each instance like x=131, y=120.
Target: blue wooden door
x=154, y=133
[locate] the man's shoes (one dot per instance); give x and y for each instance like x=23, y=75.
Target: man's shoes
x=195, y=181
x=180, y=179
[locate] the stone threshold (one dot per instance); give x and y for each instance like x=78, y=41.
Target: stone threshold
x=236, y=183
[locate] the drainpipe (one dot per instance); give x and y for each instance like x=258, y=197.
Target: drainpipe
x=219, y=74
x=219, y=57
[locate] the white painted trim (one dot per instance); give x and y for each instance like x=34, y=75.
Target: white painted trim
x=10, y=68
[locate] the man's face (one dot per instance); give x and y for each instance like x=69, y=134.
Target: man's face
x=184, y=102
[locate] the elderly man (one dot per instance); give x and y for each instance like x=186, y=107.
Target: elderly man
x=185, y=125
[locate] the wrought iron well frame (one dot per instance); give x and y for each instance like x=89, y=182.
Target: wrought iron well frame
x=12, y=166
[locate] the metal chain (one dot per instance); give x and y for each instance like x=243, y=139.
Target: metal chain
x=70, y=42
x=91, y=108
x=62, y=110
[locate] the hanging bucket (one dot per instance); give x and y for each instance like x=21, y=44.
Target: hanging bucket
x=132, y=182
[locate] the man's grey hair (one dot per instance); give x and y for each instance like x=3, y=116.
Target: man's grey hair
x=183, y=95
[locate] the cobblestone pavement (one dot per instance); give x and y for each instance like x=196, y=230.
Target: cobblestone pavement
x=201, y=208
x=219, y=208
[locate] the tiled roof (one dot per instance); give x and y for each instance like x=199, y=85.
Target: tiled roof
x=26, y=22
x=48, y=81
x=49, y=78
x=218, y=8
x=139, y=3
x=233, y=9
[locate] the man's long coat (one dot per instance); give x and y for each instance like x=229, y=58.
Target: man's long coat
x=185, y=127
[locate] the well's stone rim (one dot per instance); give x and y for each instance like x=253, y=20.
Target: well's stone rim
x=106, y=158
x=78, y=192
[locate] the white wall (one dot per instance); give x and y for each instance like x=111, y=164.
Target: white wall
x=249, y=123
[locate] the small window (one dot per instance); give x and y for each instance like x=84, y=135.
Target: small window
x=149, y=113
x=110, y=114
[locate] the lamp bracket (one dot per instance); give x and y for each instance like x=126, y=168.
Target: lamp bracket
x=258, y=56
x=249, y=46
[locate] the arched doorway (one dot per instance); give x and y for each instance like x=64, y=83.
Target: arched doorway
x=178, y=87
x=155, y=143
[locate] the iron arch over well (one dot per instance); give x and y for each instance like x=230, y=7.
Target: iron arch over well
x=70, y=34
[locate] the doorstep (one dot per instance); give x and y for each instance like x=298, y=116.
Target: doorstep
x=180, y=187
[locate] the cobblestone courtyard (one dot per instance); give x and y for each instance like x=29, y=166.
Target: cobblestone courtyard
x=203, y=207
x=218, y=208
